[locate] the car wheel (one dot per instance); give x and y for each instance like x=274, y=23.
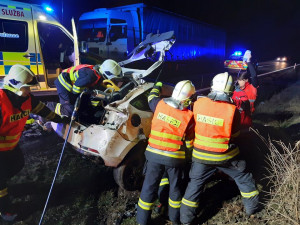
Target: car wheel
x=129, y=174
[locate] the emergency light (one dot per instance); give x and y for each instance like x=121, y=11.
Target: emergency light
x=237, y=53
x=48, y=8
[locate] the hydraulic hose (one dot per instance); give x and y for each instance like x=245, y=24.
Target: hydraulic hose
x=73, y=117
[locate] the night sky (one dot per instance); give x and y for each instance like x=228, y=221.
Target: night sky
x=270, y=28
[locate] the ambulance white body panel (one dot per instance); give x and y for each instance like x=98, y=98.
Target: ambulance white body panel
x=31, y=37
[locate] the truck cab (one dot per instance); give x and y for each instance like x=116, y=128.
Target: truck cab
x=112, y=33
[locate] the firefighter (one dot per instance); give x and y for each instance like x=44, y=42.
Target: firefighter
x=172, y=125
x=217, y=126
x=16, y=103
x=72, y=81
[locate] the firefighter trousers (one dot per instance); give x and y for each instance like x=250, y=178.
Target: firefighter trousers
x=11, y=162
x=163, y=190
x=66, y=101
x=200, y=173
x=153, y=174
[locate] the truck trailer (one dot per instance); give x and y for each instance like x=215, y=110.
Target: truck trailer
x=115, y=32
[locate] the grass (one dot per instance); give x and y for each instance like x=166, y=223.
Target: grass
x=282, y=110
x=284, y=169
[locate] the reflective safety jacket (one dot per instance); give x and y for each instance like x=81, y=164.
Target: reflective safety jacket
x=167, y=133
x=251, y=92
x=13, y=121
x=217, y=123
x=69, y=78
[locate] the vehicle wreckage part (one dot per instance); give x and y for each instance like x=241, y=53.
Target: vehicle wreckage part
x=129, y=175
x=120, y=138
x=135, y=120
x=111, y=147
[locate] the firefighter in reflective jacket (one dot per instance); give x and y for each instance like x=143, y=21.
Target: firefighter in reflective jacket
x=72, y=81
x=172, y=124
x=217, y=127
x=16, y=103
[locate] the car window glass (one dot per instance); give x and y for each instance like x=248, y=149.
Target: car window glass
x=92, y=30
x=141, y=102
x=57, y=49
x=13, y=36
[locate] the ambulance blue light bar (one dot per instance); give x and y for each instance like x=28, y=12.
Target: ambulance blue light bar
x=48, y=8
x=237, y=53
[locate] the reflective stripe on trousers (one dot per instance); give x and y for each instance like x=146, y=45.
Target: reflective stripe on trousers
x=200, y=173
x=3, y=192
x=154, y=173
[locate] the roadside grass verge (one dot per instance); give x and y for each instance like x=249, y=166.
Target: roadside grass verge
x=283, y=174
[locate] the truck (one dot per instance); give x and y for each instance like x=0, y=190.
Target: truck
x=32, y=36
x=115, y=32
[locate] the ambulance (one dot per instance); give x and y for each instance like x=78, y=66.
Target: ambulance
x=235, y=63
x=31, y=36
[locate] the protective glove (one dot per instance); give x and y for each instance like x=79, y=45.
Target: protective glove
x=247, y=56
x=158, y=84
x=65, y=119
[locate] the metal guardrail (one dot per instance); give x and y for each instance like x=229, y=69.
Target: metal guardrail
x=259, y=75
x=275, y=71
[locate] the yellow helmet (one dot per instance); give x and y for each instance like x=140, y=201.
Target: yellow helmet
x=183, y=91
x=110, y=69
x=222, y=82
x=20, y=76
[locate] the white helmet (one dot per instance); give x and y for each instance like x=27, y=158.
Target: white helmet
x=222, y=82
x=110, y=69
x=20, y=76
x=183, y=91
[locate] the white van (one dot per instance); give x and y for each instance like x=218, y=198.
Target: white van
x=32, y=37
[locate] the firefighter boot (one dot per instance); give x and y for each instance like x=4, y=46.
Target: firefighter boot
x=5, y=213
x=9, y=217
x=160, y=209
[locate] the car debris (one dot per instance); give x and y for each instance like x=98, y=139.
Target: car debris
x=120, y=135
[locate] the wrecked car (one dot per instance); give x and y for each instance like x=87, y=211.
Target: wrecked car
x=118, y=135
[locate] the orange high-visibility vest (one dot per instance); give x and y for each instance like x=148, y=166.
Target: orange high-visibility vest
x=251, y=92
x=213, y=131
x=13, y=121
x=168, y=127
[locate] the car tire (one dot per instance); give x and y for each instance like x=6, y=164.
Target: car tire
x=129, y=174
